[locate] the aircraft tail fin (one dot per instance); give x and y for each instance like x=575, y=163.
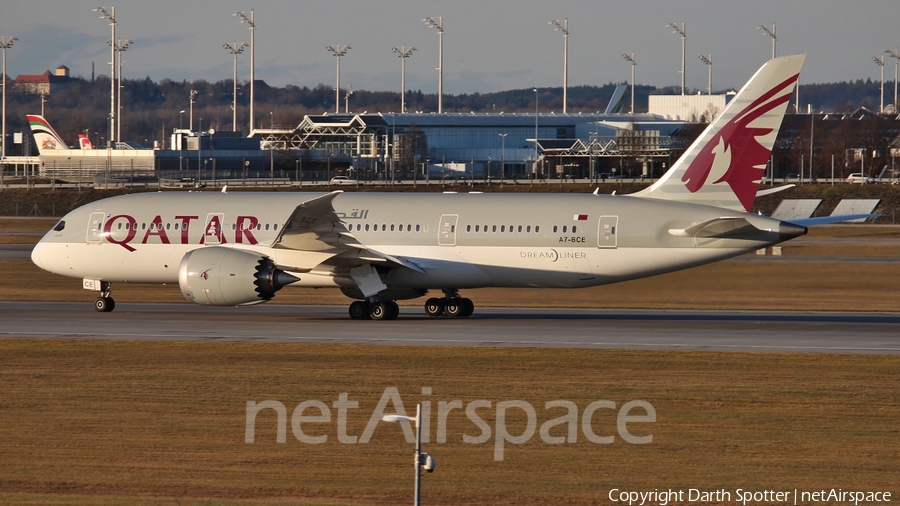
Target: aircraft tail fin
x=84, y=142
x=45, y=136
x=723, y=167
x=617, y=101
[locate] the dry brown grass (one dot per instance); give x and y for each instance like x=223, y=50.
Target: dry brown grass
x=128, y=420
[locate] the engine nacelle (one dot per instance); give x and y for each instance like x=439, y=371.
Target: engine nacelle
x=217, y=276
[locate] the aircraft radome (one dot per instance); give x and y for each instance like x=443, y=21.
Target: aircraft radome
x=242, y=248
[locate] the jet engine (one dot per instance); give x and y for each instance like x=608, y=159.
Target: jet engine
x=217, y=276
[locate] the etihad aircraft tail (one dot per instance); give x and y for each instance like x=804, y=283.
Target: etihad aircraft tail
x=45, y=136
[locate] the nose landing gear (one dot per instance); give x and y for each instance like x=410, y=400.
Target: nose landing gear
x=104, y=303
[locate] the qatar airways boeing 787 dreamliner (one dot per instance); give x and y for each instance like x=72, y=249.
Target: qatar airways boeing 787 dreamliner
x=242, y=248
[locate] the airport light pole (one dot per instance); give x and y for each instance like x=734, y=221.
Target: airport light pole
x=5, y=43
x=347, y=101
x=630, y=57
x=403, y=52
x=770, y=33
x=120, y=47
x=502, y=156
x=338, y=51
x=199, y=145
x=895, y=54
x=680, y=31
x=879, y=60
x=707, y=59
x=564, y=28
x=439, y=26
x=180, y=138
x=534, y=167
x=249, y=21
x=191, y=116
x=235, y=50
x=111, y=16
x=421, y=459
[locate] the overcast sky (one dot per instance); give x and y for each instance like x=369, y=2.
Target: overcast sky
x=489, y=45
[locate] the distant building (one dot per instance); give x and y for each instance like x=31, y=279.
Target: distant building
x=691, y=108
x=43, y=84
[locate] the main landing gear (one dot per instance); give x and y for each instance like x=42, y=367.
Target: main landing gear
x=377, y=310
x=104, y=303
x=451, y=305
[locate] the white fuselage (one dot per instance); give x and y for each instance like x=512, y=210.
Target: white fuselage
x=456, y=240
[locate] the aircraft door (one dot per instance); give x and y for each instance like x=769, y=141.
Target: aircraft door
x=212, y=232
x=607, y=234
x=95, y=228
x=447, y=230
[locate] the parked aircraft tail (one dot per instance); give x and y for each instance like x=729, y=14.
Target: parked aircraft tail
x=44, y=135
x=723, y=167
x=617, y=101
x=84, y=142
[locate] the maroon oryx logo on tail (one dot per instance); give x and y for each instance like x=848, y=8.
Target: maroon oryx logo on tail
x=736, y=149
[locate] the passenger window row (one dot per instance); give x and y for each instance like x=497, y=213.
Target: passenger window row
x=504, y=229
x=384, y=227
x=169, y=226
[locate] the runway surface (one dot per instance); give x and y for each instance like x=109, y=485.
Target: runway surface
x=761, y=331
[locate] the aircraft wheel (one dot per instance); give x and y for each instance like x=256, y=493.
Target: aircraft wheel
x=434, y=307
x=380, y=311
x=394, y=310
x=104, y=304
x=468, y=307
x=454, y=308
x=359, y=310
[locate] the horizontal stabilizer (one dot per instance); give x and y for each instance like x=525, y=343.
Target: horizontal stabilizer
x=777, y=189
x=717, y=227
x=747, y=227
x=825, y=220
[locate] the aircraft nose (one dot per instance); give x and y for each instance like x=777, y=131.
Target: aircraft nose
x=36, y=255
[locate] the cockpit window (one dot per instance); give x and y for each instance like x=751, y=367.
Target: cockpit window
x=60, y=226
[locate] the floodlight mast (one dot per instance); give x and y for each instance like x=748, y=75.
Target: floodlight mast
x=895, y=54
x=418, y=461
x=770, y=33
x=191, y=116
x=338, y=51
x=564, y=28
x=680, y=31
x=111, y=16
x=121, y=46
x=235, y=50
x=879, y=60
x=633, y=64
x=439, y=26
x=403, y=52
x=249, y=21
x=5, y=43
x=707, y=59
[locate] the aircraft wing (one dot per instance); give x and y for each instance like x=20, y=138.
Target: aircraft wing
x=316, y=229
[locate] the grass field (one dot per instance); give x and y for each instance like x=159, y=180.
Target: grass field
x=131, y=420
